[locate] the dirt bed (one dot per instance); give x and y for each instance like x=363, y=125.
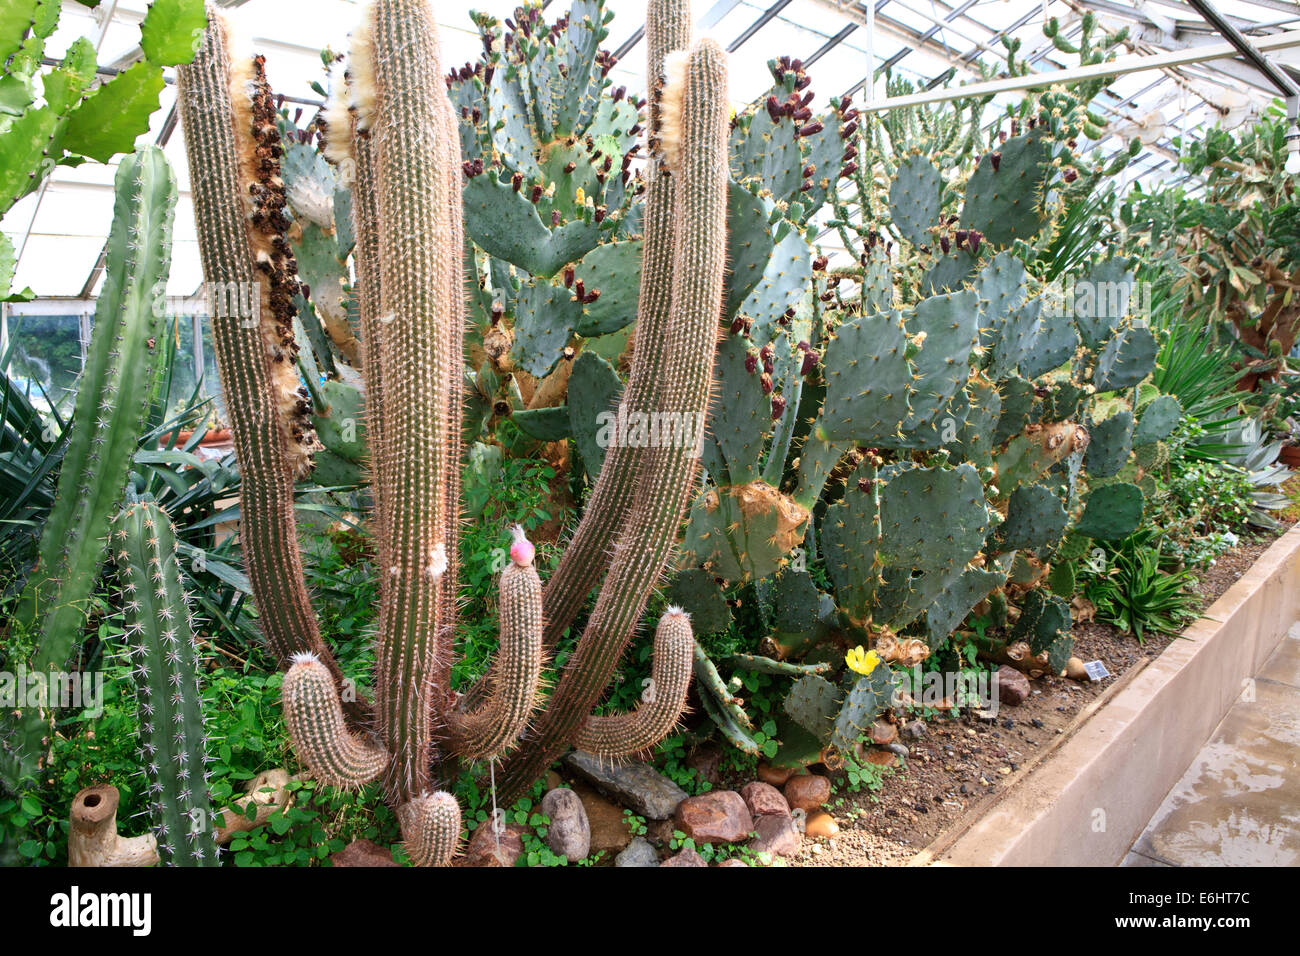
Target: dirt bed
x=959, y=763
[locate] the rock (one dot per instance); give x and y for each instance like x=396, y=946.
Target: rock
x=762, y=798
x=1013, y=686
x=914, y=729
x=706, y=760
x=807, y=791
x=637, y=786
x=687, y=857
x=883, y=733
x=608, y=825
x=733, y=861
x=484, y=849
x=776, y=834
x=881, y=758
x=638, y=853
x=898, y=749
x=553, y=780
x=719, y=816
x=1075, y=670
x=659, y=832
x=362, y=853
x=820, y=824
x=569, y=834
x=776, y=776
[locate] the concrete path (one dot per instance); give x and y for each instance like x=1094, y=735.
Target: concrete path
x=1239, y=802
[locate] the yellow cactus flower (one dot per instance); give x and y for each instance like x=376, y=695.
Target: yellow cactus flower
x=581, y=197
x=860, y=661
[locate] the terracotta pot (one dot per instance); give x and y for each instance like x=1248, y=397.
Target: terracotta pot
x=1290, y=456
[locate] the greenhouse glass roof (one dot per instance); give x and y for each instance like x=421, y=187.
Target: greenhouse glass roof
x=60, y=229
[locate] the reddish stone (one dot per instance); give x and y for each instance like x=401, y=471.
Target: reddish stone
x=776, y=776
x=807, y=791
x=687, y=857
x=483, y=849
x=764, y=798
x=716, y=817
x=362, y=853
x=1013, y=686
x=776, y=834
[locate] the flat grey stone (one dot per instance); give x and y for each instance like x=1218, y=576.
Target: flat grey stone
x=637, y=786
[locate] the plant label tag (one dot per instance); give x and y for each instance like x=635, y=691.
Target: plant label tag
x=1096, y=670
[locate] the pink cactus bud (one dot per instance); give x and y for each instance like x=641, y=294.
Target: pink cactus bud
x=521, y=550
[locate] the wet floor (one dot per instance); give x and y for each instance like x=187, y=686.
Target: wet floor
x=1239, y=802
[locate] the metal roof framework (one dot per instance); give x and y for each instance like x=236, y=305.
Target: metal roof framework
x=60, y=230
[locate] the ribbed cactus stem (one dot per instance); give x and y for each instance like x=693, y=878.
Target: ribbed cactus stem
x=431, y=827
x=113, y=397
x=406, y=109
x=313, y=715
x=668, y=28
x=352, y=149
x=666, y=474
x=237, y=194
x=663, y=699
x=116, y=388
x=509, y=689
x=164, y=657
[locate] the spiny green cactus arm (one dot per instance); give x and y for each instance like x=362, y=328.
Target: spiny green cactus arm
x=668, y=28
x=509, y=690
x=255, y=363
x=116, y=387
x=666, y=474
x=405, y=105
x=431, y=827
x=313, y=715
x=662, y=702
x=164, y=658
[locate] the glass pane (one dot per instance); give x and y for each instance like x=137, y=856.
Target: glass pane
x=45, y=358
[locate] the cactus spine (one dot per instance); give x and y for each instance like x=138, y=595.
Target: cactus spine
x=164, y=655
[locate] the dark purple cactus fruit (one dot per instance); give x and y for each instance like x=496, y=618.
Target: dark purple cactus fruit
x=848, y=170
x=1070, y=174
x=849, y=129
x=737, y=325
x=600, y=214
x=568, y=276
x=766, y=381
x=751, y=362
x=517, y=181
x=774, y=109
x=810, y=359
x=819, y=264
x=996, y=160
x=768, y=354
x=778, y=406
x=812, y=129
x=536, y=193
x=944, y=244
x=975, y=238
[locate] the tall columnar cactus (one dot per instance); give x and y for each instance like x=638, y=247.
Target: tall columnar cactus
x=693, y=127
x=668, y=28
x=397, y=129
x=226, y=113
x=164, y=656
x=117, y=385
